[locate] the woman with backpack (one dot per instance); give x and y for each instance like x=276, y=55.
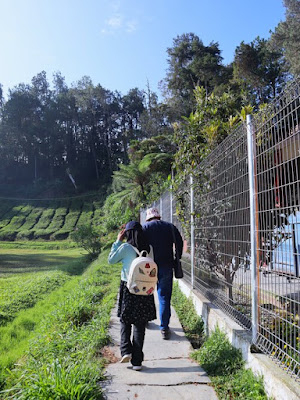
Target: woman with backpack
x=134, y=310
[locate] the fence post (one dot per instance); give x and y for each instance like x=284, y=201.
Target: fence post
x=192, y=232
x=171, y=206
x=253, y=226
x=171, y=197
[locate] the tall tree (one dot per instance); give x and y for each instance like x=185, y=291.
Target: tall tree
x=287, y=36
x=132, y=106
x=259, y=70
x=191, y=64
x=154, y=119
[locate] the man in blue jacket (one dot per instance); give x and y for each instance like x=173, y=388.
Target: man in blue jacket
x=161, y=235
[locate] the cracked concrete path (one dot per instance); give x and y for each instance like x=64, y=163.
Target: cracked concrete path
x=168, y=373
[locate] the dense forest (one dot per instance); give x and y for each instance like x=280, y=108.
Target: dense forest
x=82, y=137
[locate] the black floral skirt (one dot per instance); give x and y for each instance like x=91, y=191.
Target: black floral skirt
x=134, y=309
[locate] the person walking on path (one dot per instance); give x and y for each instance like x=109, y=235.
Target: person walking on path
x=133, y=310
x=161, y=235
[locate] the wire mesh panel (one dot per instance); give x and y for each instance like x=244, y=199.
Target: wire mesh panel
x=166, y=211
x=222, y=241
x=277, y=162
x=222, y=247
x=182, y=205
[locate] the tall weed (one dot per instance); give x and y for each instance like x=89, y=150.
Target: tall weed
x=61, y=379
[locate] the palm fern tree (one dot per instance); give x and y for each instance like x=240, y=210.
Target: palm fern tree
x=132, y=182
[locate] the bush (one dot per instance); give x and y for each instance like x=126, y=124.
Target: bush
x=25, y=234
x=217, y=355
x=116, y=213
x=88, y=238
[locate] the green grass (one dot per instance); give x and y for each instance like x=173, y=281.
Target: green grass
x=191, y=322
x=63, y=360
x=25, y=296
x=24, y=260
x=17, y=294
x=16, y=336
x=38, y=245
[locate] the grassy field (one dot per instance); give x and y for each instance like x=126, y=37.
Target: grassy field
x=54, y=311
x=28, y=260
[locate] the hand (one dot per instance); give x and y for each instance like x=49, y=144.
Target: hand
x=121, y=235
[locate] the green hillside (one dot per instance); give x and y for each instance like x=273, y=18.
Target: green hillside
x=46, y=220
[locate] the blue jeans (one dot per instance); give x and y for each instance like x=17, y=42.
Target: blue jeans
x=164, y=291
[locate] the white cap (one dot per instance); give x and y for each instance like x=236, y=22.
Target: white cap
x=152, y=213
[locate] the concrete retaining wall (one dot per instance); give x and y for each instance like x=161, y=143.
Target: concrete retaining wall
x=278, y=384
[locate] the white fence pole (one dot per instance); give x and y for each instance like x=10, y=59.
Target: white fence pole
x=171, y=206
x=192, y=232
x=171, y=196
x=253, y=226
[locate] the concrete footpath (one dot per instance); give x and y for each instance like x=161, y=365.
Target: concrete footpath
x=167, y=374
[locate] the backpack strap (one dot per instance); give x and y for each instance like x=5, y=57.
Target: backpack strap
x=140, y=254
x=136, y=250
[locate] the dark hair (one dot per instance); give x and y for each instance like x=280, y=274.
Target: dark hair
x=135, y=236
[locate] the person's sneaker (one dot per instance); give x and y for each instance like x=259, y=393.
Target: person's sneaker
x=166, y=334
x=137, y=367
x=126, y=358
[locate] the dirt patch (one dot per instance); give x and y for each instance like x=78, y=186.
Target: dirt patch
x=108, y=353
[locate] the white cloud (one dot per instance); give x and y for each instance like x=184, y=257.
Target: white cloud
x=131, y=26
x=118, y=23
x=115, y=22
x=116, y=5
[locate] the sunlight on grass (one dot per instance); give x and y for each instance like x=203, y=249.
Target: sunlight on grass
x=22, y=260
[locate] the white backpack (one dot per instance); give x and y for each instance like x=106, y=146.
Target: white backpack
x=142, y=277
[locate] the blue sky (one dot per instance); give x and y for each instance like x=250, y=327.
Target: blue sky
x=120, y=44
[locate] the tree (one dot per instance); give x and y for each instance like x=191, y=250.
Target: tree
x=1, y=96
x=191, y=64
x=86, y=129
x=134, y=184
x=259, y=69
x=131, y=109
x=87, y=238
x=154, y=119
x=287, y=36
x=20, y=133
x=206, y=127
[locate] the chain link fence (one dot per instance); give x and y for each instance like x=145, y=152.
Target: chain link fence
x=255, y=279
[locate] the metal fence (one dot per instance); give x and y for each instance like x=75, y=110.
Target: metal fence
x=242, y=220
